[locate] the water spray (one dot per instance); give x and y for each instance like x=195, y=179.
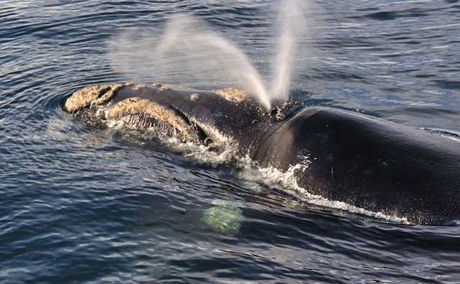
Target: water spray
x=290, y=25
x=189, y=50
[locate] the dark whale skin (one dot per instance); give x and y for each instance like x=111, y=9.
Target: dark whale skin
x=370, y=163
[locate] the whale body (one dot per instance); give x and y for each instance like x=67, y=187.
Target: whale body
x=364, y=161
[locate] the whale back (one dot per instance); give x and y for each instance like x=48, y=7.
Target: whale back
x=370, y=163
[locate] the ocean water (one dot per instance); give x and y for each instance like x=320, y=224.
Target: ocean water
x=82, y=206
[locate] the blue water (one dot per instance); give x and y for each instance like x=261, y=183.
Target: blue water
x=80, y=206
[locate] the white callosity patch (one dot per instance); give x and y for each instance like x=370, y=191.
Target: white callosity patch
x=91, y=95
x=233, y=94
x=134, y=110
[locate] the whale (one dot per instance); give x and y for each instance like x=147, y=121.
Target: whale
x=345, y=156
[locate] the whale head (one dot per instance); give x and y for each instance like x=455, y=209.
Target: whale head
x=173, y=111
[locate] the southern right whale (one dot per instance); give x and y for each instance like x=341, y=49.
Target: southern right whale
x=364, y=161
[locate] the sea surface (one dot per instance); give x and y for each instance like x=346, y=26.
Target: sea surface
x=78, y=205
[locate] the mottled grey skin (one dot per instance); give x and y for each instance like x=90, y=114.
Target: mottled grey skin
x=364, y=161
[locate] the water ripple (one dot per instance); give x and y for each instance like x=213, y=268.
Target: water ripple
x=79, y=205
